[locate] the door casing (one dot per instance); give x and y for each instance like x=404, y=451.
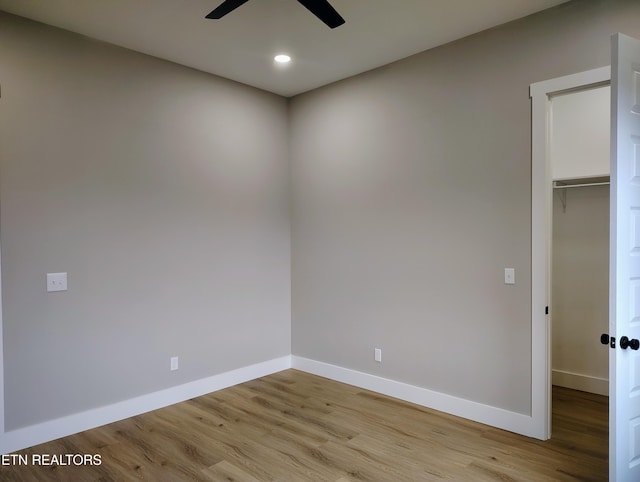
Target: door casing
x=541, y=94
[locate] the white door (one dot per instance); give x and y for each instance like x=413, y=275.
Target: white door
x=624, y=301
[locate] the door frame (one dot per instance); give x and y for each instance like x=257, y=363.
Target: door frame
x=541, y=94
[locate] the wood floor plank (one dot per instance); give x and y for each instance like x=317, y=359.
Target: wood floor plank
x=295, y=427
x=225, y=471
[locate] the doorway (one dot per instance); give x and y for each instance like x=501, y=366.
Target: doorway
x=624, y=293
x=543, y=181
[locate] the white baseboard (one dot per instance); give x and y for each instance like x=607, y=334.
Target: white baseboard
x=496, y=417
x=64, y=426
x=44, y=432
x=577, y=381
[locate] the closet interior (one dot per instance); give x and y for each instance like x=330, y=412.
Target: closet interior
x=579, y=153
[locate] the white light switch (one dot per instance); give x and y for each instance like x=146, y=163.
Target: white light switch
x=509, y=276
x=56, y=282
x=377, y=354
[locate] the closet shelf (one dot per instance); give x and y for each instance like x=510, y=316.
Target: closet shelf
x=564, y=184
x=581, y=182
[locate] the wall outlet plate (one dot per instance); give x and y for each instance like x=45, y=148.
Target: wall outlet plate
x=56, y=282
x=377, y=354
x=509, y=276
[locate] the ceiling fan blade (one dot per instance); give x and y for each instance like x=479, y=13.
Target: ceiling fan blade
x=324, y=11
x=225, y=7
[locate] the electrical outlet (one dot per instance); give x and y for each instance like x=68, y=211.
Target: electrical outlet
x=174, y=363
x=377, y=354
x=509, y=276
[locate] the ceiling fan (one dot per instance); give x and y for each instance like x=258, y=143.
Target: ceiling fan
x=320, y=8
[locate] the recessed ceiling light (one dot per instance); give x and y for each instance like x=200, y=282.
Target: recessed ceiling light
x=282, y=58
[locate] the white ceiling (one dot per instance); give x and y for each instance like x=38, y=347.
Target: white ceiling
x=241, y=46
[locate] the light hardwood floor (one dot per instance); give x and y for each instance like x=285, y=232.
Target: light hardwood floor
x=292, y=426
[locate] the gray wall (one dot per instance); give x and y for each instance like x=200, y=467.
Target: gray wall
x=163, y=192
x=412, y=193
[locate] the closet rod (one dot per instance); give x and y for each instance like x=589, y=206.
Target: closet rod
x=564, y=186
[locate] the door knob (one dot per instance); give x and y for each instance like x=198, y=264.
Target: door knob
x=627, y=343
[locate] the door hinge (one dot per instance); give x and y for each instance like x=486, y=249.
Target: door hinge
x=546, y=310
